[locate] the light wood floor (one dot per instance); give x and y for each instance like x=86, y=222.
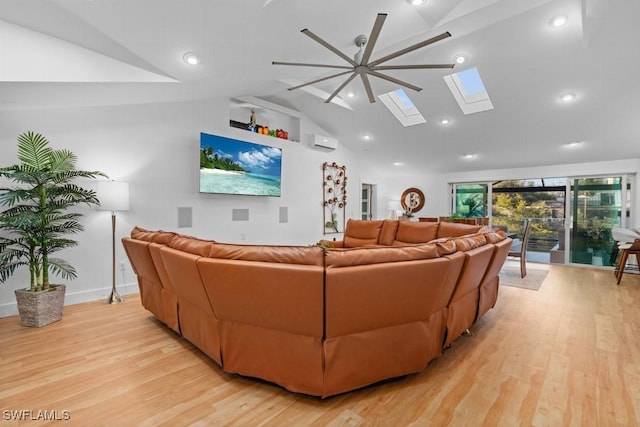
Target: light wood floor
x=568, y=354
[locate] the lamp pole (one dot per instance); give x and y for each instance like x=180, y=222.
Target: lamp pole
x=115, y=297
x=113, y=196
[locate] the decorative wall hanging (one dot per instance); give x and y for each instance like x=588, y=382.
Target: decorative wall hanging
x=412, y=200
x=334, y=183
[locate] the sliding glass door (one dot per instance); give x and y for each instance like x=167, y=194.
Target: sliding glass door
x=597, y=205
x=571, y=218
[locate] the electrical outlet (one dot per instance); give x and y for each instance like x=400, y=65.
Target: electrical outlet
x=121, y=265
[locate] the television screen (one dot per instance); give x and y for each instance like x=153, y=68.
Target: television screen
x=230, y=166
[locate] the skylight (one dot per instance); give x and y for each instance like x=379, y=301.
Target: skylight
x=401, y=106
x=471, y=81
x=468, y=90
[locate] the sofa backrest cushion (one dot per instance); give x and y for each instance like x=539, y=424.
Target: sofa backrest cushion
x=306, y=255
x=454, y=229
x=191, y=245
x=445, y=245
x=495, y=236
x=162, y=237
x=139, y=233
x=376, y=255
x=466, y=243
x=415, y=232
x=388, y=232
x=360, y=233
x=449, y=245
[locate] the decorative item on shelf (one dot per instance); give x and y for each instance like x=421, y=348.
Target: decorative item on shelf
x=262, y=130
x=38, y=218
x=412, y=200
x=252, y=121
x=334, y=184
x=114, y=196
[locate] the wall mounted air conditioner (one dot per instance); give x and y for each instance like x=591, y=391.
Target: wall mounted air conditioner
x=324, y=142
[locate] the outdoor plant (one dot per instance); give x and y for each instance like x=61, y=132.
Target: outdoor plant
x=37, y=218
x=474, y=206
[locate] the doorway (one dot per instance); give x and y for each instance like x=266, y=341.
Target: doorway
x=367, y=201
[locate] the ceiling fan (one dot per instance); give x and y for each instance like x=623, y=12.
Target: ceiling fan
x=360, y=65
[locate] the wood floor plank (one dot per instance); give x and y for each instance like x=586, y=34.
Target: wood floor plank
x=566, y=355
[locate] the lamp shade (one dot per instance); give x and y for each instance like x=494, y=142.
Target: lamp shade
x=394, y=205
x=113, y=195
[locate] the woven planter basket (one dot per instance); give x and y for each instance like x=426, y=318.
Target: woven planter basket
x=40, y=308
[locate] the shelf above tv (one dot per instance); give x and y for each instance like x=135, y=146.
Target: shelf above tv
x=268, y=114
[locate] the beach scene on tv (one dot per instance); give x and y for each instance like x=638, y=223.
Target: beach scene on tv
x=231, y=166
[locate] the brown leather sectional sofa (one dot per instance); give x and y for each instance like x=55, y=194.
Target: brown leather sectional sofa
x=380, y=304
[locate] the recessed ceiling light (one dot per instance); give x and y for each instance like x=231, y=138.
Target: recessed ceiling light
x=445, y=121
x=558, y=21
x=574, y=144
x=191, y=58
x=568, y=97
x=398, y=164
x=351, y=94
x=469, y=156
x=366, y=137
x=417, y=2
x=460, y=58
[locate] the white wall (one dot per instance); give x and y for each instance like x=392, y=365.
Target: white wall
x=156, y=149
x=389, y=189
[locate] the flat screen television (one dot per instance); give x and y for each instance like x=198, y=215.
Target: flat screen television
x=231, y=166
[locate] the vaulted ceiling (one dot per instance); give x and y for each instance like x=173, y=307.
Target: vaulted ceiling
x=61, y=53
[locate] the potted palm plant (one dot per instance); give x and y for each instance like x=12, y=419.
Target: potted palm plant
x=37, y=221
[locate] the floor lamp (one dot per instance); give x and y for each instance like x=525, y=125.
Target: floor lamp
x=394, y=206
x=113, y=196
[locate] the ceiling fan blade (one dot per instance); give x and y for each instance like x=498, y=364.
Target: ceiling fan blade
x=411, y=67
x=373, y=37
x=394, y=80
x=330, y=47
x=410, y=48
x=320, y=80
x=367, y=87
x=337, y=91
x=300, y=64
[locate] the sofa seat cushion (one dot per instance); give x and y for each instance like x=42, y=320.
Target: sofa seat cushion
x=415, y=232
x=360, y=233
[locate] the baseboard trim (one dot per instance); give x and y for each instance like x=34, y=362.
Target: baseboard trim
x=70, y=298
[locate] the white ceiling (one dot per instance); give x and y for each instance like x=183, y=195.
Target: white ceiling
x=58, y=53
